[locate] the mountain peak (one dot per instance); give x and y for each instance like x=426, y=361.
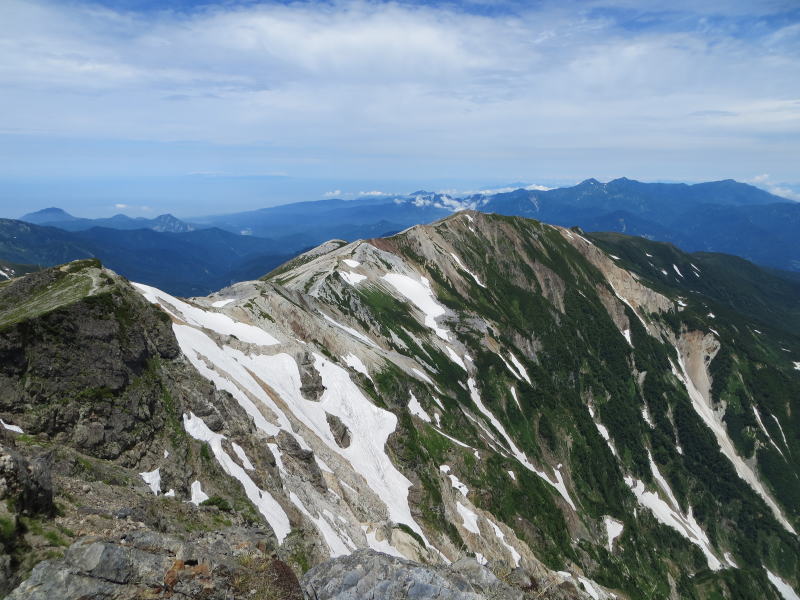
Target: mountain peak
x=52, y=214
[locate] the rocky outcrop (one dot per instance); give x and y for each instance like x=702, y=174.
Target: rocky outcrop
x=26, y=485
x=366, y=575
x=370, y=575
x=81, y=370
x=231, y=563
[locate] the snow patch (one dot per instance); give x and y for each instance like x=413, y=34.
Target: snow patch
x=352, y=278
x=469, y=518
x=215, y=321
x=454, y=481
x=263, y=500
x=351, y=263
x=518, y=454
x=152, y=479
x=421, y=295
x=221, y=303
x=466, y=270
x=415, y=408
x=514, y=395
x=670, y=514
x=677, y=270
x=784, y=589
x=339, y=543
x=355, y=363
x=10, y=427
x=613, y=531
x=455, y=357
x=351, y=331
x=198, y=495
x=239, y=451
x=515, y=556
x=726, y=445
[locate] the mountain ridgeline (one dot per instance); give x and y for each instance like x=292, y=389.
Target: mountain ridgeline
x=206, y=253
x=483, y=407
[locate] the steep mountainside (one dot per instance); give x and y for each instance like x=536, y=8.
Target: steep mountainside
x=485, y=390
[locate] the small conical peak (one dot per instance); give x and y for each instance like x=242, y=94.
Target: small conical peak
x=590, y=181
x=52, y=213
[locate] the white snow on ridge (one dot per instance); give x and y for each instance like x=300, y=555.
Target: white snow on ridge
x=370, y=427
x=152, y=479
x=351, y=263
x=420, y=294
x=262, y=499
x=214, y=321
x=677, y=270
x=415, y=408
x=785, y=590
x=221, y=303
x=466, y=270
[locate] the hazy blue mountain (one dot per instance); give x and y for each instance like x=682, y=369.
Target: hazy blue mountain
x=188, y=263
x=719, y=216
x=56, y=217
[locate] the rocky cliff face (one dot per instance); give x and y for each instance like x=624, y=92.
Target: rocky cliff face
x=484, y=407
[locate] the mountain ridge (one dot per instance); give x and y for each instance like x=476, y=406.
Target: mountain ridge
x=486, y=389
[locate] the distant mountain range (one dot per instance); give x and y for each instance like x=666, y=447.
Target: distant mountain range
x=720, y=216
x=189, y=263
x=201, y=254
x=57, y=217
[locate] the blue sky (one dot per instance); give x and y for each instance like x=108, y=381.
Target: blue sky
x=205, y=107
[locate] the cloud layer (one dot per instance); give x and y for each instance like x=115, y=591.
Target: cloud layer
x=504, y=90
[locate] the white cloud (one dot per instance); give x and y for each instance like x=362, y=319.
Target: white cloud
x=120, y=206
x=765, y=181
x=332, y=194
x=370, y=86
x=374, y=193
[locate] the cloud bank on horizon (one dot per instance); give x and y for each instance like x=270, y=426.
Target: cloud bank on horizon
x=495, y=90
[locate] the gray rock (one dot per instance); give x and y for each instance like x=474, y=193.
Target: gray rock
x=26, y=485
x=145, y=564
x=339, y=430
x=370, y=575
x=310, y=379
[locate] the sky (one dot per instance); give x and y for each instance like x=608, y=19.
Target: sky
x=144, y=106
